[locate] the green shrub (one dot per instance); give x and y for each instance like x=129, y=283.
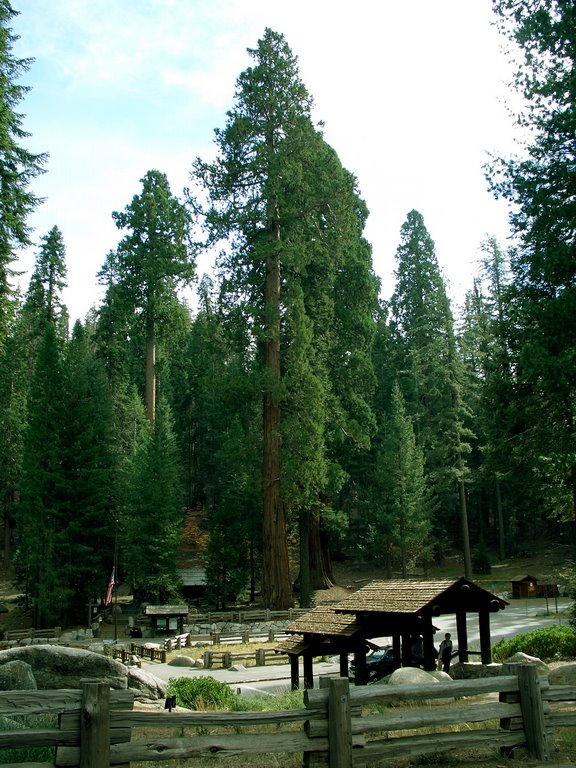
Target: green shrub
x=481, y=560
x=546, y=643
x=201, y=693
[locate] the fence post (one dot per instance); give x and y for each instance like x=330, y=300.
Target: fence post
x=95, y=725
x=339, y=723
x=530, y=695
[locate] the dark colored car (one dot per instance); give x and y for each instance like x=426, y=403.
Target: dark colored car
x=379, y=664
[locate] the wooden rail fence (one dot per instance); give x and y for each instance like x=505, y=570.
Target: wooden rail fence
x=98, y=728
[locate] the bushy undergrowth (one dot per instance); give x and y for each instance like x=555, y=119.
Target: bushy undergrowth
x=547, y=643
x=200, y=693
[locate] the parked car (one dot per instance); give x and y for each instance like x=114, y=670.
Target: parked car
x=379, y=664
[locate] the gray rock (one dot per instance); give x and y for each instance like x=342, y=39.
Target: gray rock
x=411, y=676
x=17, y=676
x=182, y=661
x=523, y=658
x=146, y=686
x=564, y=674
x=470, y=670
x=442, y=677
x=57, y=667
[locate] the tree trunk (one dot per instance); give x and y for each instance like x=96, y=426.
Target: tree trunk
x=501, y=533
x=465, y=533
x=304, y=575
x=319, y=555
x=150, y=394
x=276, y=587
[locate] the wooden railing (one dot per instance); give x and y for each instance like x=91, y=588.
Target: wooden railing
x=15, y=635
x=99, y=729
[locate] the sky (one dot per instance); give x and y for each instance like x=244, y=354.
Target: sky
x=412, y=94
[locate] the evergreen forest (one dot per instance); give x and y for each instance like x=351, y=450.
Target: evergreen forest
x=288, y=415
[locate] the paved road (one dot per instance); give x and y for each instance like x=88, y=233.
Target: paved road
x=519, y=616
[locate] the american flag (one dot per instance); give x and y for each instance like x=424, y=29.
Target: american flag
x=110, y=588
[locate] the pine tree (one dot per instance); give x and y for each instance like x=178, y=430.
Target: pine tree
x=41, y=520
x=151, y=262
x=91, y=500
x=401, y=522
x=155, y=513
x=18, y=166
x=541, y=184
x=430, y=376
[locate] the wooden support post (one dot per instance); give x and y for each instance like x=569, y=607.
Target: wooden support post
x=428, y=643
x=360, y=670
x=294, y=672
x=339, y=724
x=532, y=708
x=308, y=670
x=95, y=725
x=344, y=665
x=462, y=632
x=396, y=647
x=406, y=651
x=485, y=642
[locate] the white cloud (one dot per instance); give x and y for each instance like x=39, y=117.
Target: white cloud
x=408, y=93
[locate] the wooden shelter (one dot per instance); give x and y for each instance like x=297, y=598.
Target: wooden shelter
x=166, y=619
x=401, y=609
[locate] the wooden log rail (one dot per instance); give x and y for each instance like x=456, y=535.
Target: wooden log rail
x=245, y=616
x=225, y=659
x=246, y=636
x=15, y=635
x=96, y=724
x=152, y=654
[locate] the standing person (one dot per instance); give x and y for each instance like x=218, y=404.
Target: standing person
x=445, y=652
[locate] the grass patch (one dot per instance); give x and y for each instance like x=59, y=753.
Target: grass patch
x=27, y=754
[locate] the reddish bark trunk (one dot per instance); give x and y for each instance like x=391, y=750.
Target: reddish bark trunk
x=276, y=587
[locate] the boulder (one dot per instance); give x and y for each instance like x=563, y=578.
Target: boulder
x=59, y=667
x=411, y=676
x=17, y=676
x=146, y=686
x=182, y=661
x=441, y=676
x=523, y=658
x=470, y=670
x=563, y=674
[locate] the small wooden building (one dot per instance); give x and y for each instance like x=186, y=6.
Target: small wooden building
x=167, y=619
x=528, y=586
x=401, y=609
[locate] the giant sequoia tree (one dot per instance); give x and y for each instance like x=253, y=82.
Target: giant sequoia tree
x=541, y=182
x=260, y=153
x=292, y=222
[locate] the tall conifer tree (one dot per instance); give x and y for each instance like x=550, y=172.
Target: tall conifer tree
x=18, y=166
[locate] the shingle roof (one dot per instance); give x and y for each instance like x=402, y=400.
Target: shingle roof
x=409, y=596
x=323, y=620
x=166, y=610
